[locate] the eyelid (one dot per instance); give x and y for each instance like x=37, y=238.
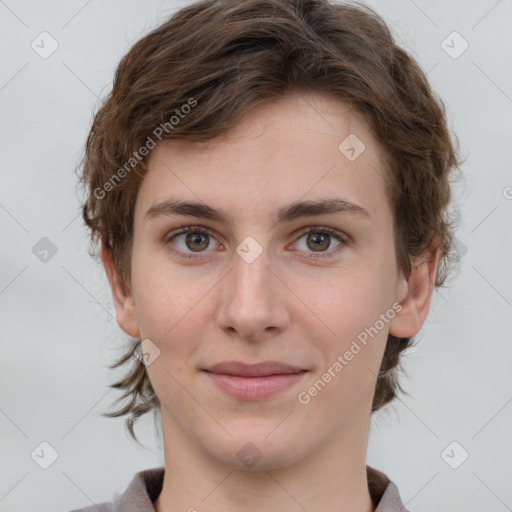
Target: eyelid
x=183, y=231
x=342, y=237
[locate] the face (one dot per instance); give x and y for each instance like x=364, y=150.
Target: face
x=257, y=276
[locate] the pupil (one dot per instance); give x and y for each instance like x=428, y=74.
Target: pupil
x=317, y=241
x=319, y=238
x=196, y=241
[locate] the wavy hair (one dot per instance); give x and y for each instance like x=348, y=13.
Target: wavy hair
x=230, y=56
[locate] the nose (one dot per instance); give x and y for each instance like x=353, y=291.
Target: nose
x=252, y=301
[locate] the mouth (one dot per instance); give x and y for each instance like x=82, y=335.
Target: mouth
x=254, y=381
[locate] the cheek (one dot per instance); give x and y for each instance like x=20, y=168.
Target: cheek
x=348, y=323
x=164, y=295
x=349, y=301
x=350, y=358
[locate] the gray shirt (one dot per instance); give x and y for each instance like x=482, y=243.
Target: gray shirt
x=146, y=486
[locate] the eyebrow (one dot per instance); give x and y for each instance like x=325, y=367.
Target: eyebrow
x=284, y=214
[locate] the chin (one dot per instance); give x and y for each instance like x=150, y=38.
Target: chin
x=258, y=452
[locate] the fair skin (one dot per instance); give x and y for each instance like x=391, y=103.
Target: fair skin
x=284, y=306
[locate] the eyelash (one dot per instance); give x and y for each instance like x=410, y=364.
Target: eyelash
x=341, y=237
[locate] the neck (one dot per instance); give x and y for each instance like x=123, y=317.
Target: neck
x=332, y=477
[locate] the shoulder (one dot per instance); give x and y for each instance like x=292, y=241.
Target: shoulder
x=100, y=507
x=137, y=497
x=391, y=500
x=384, y=492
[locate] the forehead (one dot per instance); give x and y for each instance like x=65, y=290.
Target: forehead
x=298, y=147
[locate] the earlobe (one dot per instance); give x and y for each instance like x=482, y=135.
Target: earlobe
x=414, y=295
x=121, y=293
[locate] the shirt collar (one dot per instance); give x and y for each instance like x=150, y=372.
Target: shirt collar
x=147, y=484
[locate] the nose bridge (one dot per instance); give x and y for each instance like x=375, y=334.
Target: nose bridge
x=250, y=284
x=252, y=261
x=249, y=302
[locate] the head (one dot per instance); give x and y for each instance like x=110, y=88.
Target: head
x=277, y=103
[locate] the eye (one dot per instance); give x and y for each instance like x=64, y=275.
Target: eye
x=197, y=239
x=190, y=238
x=318, y=239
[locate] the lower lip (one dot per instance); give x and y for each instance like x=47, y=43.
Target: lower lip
x=254, y=388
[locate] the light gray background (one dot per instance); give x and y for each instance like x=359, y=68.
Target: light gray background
x=58, y=328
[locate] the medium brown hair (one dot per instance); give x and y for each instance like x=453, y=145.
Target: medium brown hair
x=222, y=58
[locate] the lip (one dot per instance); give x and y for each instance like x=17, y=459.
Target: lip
x=262, y=369
x=254, y=381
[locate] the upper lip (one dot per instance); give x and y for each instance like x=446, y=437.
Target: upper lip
x=253, y=370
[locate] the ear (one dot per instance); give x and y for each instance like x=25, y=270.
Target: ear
x=122, y=295
x=414, y=294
